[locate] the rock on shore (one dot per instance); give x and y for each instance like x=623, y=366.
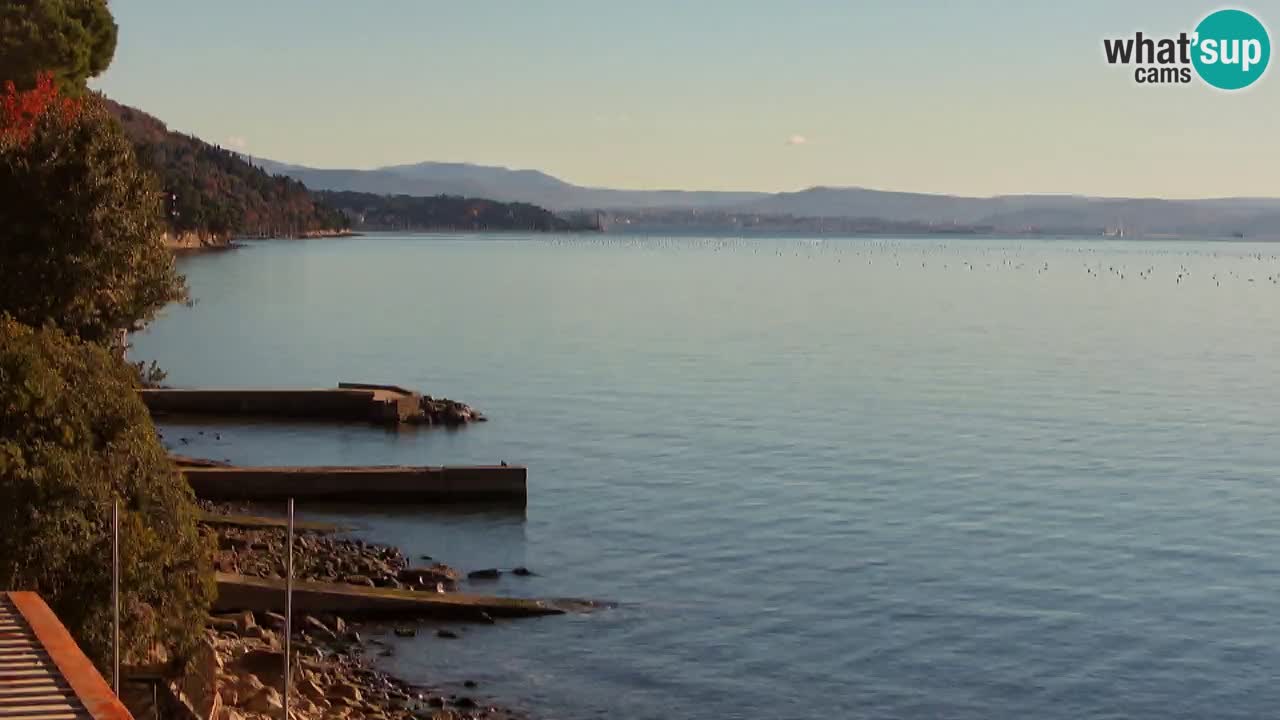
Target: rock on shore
x=450, y=413
x=261, y=552
x=237, y=674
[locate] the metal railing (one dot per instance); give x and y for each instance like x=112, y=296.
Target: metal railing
x=115, y=605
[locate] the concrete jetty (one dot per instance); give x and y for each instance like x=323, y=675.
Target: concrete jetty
x=242, y=592
x=377, y=484
x=349, y=402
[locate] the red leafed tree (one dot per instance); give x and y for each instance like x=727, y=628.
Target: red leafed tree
x=21, y=110
x=82, y=244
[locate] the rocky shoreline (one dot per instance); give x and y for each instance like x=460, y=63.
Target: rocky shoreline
x=189, y=242
x=320, y=556
x=236, y=673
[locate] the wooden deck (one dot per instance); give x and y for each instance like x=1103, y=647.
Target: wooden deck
x=43, y=673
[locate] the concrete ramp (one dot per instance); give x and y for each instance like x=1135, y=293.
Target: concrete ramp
x=505, y=484
x=242, y=592
x=350, y=402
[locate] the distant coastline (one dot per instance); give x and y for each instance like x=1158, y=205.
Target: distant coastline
x=192, y=241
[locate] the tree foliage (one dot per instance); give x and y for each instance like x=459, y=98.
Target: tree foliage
x=73, y=39
x=445, y=212
x=73, y=438
x=80, y=221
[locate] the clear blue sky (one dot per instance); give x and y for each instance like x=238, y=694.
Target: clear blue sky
x=707, y=94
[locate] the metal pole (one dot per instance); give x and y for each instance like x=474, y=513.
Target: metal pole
x=288, y=609
x=115, y=597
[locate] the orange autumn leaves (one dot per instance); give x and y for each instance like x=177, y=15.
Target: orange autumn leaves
x=22, y=111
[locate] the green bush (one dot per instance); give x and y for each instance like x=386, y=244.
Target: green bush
x=73, y=437
x=81, y=241
x=73, y=39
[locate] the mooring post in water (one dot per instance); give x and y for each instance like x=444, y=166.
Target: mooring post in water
x=115, y=597
x=288, y=609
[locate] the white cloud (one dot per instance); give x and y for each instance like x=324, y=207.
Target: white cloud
x=797, y=140
x=236, y=142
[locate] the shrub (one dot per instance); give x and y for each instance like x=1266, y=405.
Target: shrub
x=73, y=39
x=73, y=437
x=80, y=222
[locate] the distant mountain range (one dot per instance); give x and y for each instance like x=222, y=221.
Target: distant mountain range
x=1137, y=217
x=499, y=183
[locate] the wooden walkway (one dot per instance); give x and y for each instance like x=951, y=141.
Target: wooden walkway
x=43, y=673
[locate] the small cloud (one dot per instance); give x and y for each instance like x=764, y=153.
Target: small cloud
x=797, y=140
x=236, y=142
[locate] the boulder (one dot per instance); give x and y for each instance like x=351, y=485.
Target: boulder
x=244, y=621
x=319, y=628
x=267, y=665
x=311, y=690
x=222, y=624
x=197, y=689
x=428, y=576
x=267, y=702
x=345, y=693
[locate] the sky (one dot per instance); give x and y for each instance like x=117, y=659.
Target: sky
x=973, y=98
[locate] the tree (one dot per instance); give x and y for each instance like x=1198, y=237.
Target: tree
x=73, y=39
x=73, y=438
x=80, y=222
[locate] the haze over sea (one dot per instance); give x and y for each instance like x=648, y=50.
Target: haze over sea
x=850, y=478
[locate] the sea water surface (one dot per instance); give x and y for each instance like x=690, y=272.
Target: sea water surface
x=846, y=478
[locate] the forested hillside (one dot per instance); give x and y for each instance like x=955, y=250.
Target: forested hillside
x=448, y=212
x=216, y=191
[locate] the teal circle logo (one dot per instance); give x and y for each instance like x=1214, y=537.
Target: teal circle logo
x=1232, y=49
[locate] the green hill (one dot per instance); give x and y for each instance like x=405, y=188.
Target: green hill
x=216, y=192
x=370, y=211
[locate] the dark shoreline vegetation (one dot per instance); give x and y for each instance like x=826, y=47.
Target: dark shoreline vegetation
x=369, y=211
x=214, y=192
x=214, y=196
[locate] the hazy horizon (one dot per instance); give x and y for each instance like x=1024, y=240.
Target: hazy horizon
x=743, y=96
x=1048, y=194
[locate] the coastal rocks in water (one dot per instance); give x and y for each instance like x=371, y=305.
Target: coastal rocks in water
x=429, y=577
x=486, y=574
x=446, y=634
x=449, y=413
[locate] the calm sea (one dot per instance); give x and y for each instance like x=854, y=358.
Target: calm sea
x=844, y=478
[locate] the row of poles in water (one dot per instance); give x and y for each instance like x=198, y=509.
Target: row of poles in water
x=115, y=604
